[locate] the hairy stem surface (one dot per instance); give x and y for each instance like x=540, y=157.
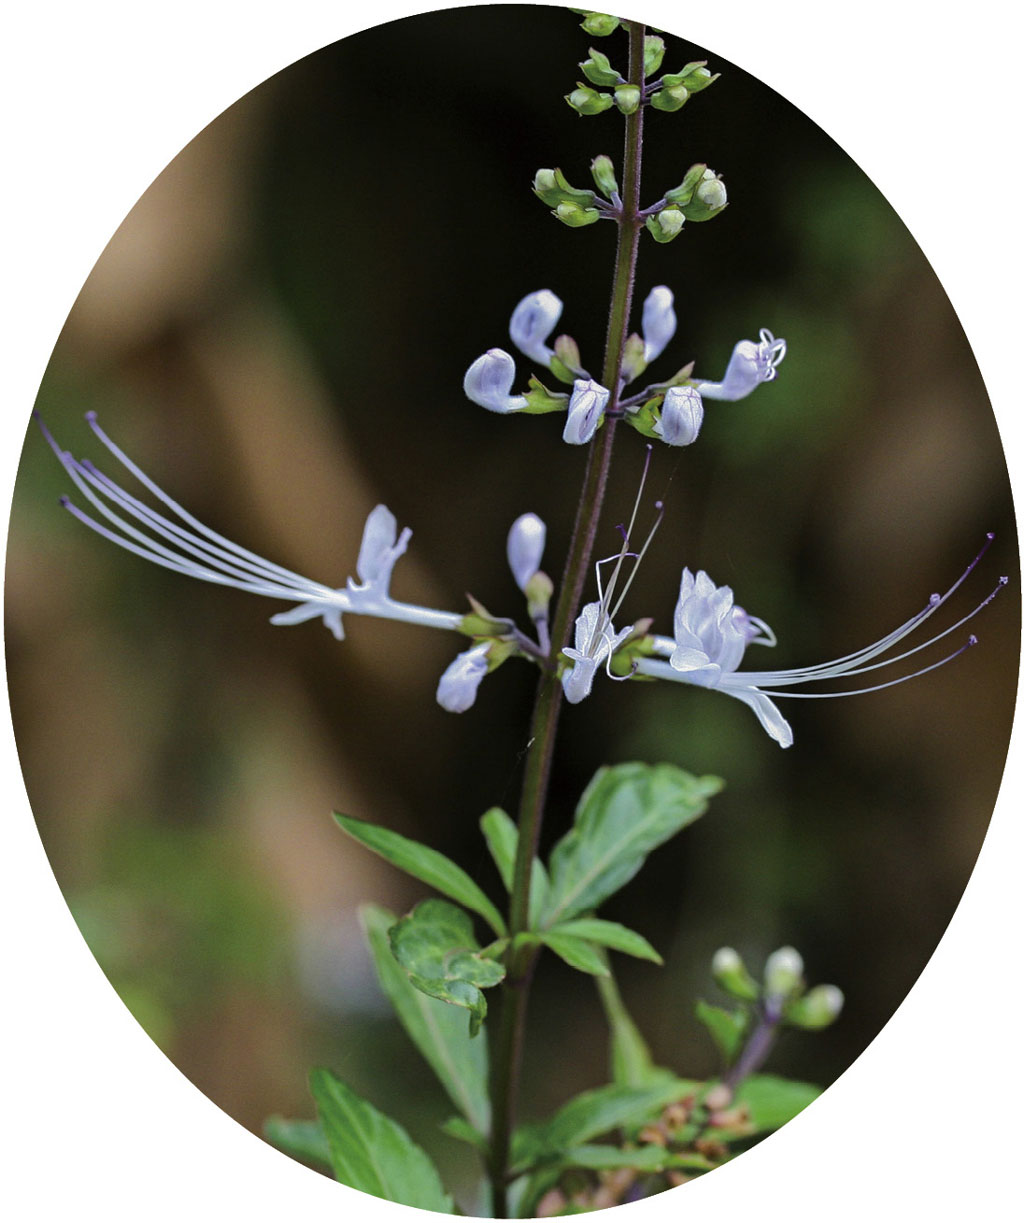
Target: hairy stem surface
x=507, y=1054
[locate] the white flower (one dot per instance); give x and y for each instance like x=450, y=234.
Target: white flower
x=682, y=414
x=533, y=320
x=488, y=382
x=180, y=542
x=525, y=548
x=749, y=366
x=711, y=634
x=659, y=322
x=586, y=407
x=596, y=642
x=456, y=690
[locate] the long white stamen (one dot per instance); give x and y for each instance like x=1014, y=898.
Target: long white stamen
x=815, y=696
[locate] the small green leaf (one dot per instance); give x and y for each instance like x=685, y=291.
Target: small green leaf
x=436, y=1029
x=303, y=1140
x=610, y=934
x=593, y=1113
x=436, y=946
x=576, y=952
x=773, y=1100
x=502, y=838
x=727, y=1028
x=631, y=1061
x=626, y=812
x=426, y=864
x=460, y=1129
x=371, y=1152
x=650, y=1158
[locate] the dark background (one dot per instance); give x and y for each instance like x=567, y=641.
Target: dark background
x=278, y=335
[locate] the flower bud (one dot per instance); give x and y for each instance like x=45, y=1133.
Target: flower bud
x=587, y=101
x=553, y=188
x=682, y=414
x=604, y=174
x=532, y=322
x=567, y=355
x=456, y=690
x=598, y=70
x=670, y=98
x=731, y=974
x=694, y=76
x=586, y=408
x=576, y=217
x=683, y=194
x=709, y=198
x=627, y=99
x=488, y=382
x=817, y=1008
x=659, y=322
x=783, y=972
x=525, y=547
x=665, y=225
x=654, y=53
x=599, y=25
x=538, y=591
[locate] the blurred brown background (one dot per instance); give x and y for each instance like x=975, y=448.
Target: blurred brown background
x=278, y=334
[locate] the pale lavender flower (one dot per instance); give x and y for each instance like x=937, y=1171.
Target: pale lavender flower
x=749, y=366
x=533, y=320
x=682, y=414
x=711, y=634
x=586, y=407
x=488, y=382
x=457, y=688
x=596, y=642
x=659, y=322
x=180, y=542
x=525, y=548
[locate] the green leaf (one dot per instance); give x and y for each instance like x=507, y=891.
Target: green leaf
x=303, y=1140
x=727, y=1028
x=460, y=1129
x=576, y=952
x=593, y=1113
x=610, y=934
x=436, y=946
x=626, y=811
x=631, y=1061
x=436, y=1029
x=650, y=1158
x=371, y=1152
x=426, y=864
x=502, y=838
x=773, y=1100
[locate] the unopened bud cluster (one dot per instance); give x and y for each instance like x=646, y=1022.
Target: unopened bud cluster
x=782, y=993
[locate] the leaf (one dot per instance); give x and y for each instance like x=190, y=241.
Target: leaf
x=435, y=945
x=593, y=1113
x=576, y=952
x=727, y=1028
x=371, y=1152
x=626, y=812
x=502, y=838
x=650, y=1158
x=610, y=934
x=460, y=1129
x=303, y=1140
x=773, y=1100
x=631, y=1061
x=436, y=1029
x=426, y=864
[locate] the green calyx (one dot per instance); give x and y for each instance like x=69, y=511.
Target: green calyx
x=553, y=188
x=587, y=101
x=576, y=217
x=665, y=224
x=599, y=71
x=603, y=171
x=540, y=400
x=627, y=99
x=597, y=25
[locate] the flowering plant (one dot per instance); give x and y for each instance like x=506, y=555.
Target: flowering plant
x=658, y=1127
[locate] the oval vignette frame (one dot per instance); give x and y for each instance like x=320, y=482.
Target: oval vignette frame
x=963, y=966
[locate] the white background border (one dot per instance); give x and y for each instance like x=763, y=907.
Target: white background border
x=96, y=99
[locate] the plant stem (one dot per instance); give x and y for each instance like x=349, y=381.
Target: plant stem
x=507, y=1055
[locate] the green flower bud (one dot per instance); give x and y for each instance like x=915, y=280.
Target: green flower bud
x=604, y=174
x=684, y=192
x=539, y=590
x=654, y=53
x=817, y=1008
x=553, y=188
x=731, y=974
x=567, y=352
x=575, y=217
x=598, y=25
x=598, y=69
x=633, y=363
x=670, y=98
x=665, y=225
x=783, y=972
x=693, y=78
x=587, y=101
x=708, y=200
x=627, y=99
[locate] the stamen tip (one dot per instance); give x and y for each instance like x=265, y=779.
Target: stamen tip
x=990, y=534
x=1003, y=581
x=933, y=599
x=90, y=416
x=972, y=640
x=659, y=505
x=65, y=501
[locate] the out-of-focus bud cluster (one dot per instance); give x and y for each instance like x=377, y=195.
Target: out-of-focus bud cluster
x=782, y=993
